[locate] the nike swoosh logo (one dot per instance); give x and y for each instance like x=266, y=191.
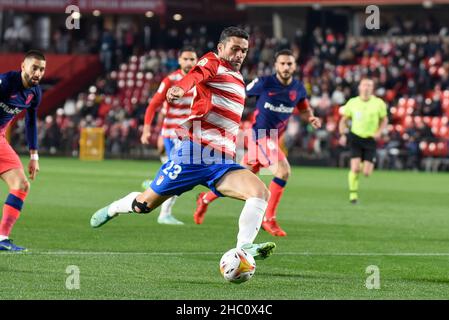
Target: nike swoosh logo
x=6, y=247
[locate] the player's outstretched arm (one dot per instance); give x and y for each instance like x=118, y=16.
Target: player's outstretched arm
x=155, y=104
x=174, y=93
x=31, y=133
x=33, y=165
x=382, y=126
x=306, y=113
x=205, y=69
x=308, y=116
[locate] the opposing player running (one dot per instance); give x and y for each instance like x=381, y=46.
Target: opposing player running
x=206, y=157
x=19, y=90
x=175, y=114
x=278, y=97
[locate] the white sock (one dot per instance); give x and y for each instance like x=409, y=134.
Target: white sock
x=124, y=205
x=250, y=220
x=3, y=238
x=167, y=206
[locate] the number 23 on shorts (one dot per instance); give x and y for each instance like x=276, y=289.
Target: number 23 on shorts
x=172, y=170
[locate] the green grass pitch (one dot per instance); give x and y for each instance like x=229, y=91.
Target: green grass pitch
x=401, y=225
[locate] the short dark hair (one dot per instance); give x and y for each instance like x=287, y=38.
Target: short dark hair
x=186, y=49
x=283, y=52
x=233, y=32
x=36, y=54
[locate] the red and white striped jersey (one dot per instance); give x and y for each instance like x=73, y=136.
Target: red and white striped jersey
x=218, y=104
x=175, y=113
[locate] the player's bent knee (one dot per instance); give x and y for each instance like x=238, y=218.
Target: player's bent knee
x=24, y=185
x=141, y=207
x=262, y=193
x=356, y=170
x=284, y=175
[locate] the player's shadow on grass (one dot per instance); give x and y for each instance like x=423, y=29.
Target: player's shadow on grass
x=432, y=281
x=283, y=275
x=308, y=276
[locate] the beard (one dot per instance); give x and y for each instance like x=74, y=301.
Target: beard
x=285, y=76
x=235, y=65
x=186, y=70
x=30, y=81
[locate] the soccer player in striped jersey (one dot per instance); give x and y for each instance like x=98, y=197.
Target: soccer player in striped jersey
x=19, y=91
x=278, y=97
x=207, y=154
x=175, y=114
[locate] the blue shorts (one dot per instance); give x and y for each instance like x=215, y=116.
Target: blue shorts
x=192, y=164
x=170, y=145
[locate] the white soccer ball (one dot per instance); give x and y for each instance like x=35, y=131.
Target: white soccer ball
x=237, y=265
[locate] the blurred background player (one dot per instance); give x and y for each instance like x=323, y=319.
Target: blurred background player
x=19, y=90
x=278, y=97
x=207, y=156
x=368, y=116
x=175, y=114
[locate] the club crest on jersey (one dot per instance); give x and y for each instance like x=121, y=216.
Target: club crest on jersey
x=292, y=95
x=202, y=62
x=29, y=98
x=159, y=180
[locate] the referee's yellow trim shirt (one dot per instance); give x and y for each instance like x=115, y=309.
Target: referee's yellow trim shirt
x=365, y=115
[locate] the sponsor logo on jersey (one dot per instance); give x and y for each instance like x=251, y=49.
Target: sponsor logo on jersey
x=281, y=108
x=9, y=110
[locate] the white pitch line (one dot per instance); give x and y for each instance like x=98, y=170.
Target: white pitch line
x=187, y=253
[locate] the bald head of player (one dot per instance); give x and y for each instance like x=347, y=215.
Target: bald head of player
x=285, y=66
x=366, y=88
x=233, y=46
x=33, y=68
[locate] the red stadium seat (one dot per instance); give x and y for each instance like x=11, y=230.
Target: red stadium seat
x=442, y=149
x=424, y=147
x=444, y=132
x=408, y=122
x=435, y=122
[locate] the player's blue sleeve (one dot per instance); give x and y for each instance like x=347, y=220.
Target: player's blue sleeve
x=31, y=122
x=255, y=87
x=302, y=93
x=3, y=86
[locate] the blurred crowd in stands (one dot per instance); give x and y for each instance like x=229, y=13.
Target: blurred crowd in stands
x=409, y=63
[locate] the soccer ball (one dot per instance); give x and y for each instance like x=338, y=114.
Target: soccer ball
x=237, y=265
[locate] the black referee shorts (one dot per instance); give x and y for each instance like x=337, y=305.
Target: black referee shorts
x=364, y=148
